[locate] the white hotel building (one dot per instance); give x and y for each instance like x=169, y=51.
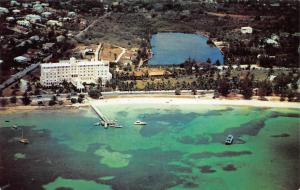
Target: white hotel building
x=75, y=71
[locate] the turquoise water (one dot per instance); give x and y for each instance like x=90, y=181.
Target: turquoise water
x=176, y=48
x=180, y=148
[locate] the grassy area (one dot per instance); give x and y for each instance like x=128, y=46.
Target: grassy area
x=140, y=84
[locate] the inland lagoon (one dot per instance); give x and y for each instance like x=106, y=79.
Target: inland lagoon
x=181, y=147
x=176, y=48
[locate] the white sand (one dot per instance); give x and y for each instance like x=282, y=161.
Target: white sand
x=187, y=101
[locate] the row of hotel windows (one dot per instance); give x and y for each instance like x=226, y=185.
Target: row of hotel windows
x=79, y=66
x=55, y=75
x=79, y=70
x=49, y=83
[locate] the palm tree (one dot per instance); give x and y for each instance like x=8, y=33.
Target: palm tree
x=13, y=99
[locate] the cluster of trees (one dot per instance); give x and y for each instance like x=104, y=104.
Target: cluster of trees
x=208, y=77
x=283, y=85
x=95, y=94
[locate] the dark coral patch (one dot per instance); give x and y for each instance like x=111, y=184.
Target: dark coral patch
x=281, y=135
x=199, y=139
x=206, y=169
x=64, y=188
x=278, y=114
x=229, y=167
x=202, y=155
x=181, y=169
x=251, y=128
x=190, y=185
x=217, y=112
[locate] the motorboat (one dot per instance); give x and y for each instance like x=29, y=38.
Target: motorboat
x=138, y=122
x=229, y=140
x=24, y=141
x=14, y=126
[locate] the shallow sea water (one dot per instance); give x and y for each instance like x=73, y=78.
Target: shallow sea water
x=180, y=148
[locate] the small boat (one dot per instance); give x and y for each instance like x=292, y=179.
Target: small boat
x=102, y=123
x=118, y=126
x=105, y=126
x=14, y=126
x=138, y=122
x=229, y=140
x=23, y=140
x=96, y=124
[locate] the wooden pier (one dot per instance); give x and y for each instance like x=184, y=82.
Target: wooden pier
x=102, y=117
x=104, y=120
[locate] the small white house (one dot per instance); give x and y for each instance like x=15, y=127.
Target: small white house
x=274, y=40
x=246, y=30
x=10, y=19
x=45, y=4
x=21, y=59
x=16, y=11
x=14, y=3
x=26, y=5
x=60, y=38
x=71, y=14
x=3, y=10
x=38, y=8
x=24, y=23
x=46, y=14
x=33, y=18
x=35, y=38
x=54, y=23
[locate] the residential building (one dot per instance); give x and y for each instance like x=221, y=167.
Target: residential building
x=3, y=11
x=246, y=30
x=24, y=23
x=75, y=71
x=21, y=59
x=33, y=18
x=54, y=23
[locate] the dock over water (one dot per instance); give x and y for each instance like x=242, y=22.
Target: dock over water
x=102, y=116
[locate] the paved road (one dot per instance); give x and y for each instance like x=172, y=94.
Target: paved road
x=82, y=33
x=121, y=54
x=98, y=52
x=18, y=75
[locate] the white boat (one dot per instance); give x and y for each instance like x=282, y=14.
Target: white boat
x=138, y=122
x=229, y=140
x=23, y=140
x=96, y=124
x=14, y=126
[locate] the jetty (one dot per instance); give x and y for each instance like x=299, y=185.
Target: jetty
x=104, y=120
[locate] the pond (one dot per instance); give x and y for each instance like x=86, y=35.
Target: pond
x=175, y=48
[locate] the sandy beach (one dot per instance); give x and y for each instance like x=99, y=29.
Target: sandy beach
x=171, y=100
x=196, y=101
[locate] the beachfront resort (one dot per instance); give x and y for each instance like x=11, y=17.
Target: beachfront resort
x=75, y=71
x=149, y=95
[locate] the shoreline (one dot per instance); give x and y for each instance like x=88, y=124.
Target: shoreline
x=14, y=109
x=196, y=101
x=158, y=100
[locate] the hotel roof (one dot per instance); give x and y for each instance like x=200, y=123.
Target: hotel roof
x=66, y=63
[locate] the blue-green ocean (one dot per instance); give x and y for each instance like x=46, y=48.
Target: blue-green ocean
x=182, y=147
